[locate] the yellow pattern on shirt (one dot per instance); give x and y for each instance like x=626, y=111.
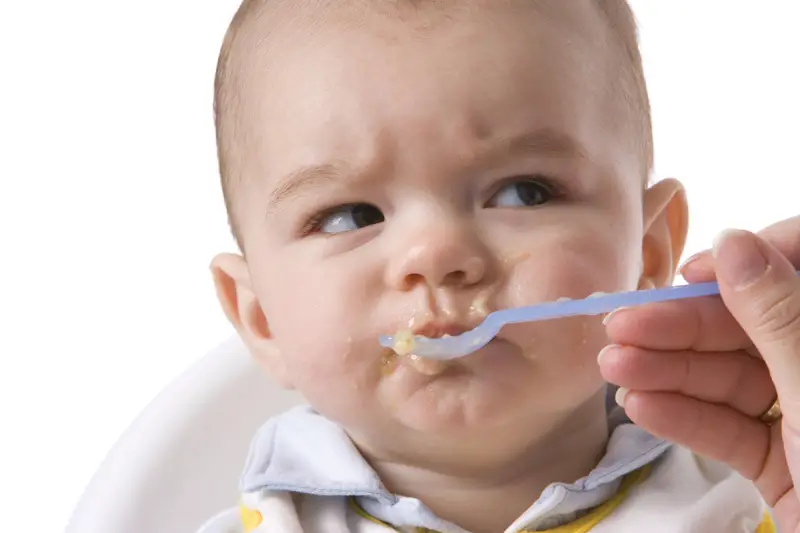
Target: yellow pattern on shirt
x=767, y=525
x=251, y=519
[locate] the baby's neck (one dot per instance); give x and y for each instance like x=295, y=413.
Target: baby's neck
x=488, y=498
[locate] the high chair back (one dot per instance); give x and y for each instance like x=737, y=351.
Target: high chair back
x=179, y=461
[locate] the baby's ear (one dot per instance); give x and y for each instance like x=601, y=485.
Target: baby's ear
x=240, y=304
x=666, y=224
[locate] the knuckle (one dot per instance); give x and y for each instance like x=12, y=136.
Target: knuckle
x=780, y=318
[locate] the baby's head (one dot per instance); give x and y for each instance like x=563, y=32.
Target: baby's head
x=415, y=164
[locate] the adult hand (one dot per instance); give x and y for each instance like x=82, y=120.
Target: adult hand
x=701, y=372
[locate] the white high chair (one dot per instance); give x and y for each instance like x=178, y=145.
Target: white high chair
x=178, y=463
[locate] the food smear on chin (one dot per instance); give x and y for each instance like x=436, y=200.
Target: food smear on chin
x=388, y=363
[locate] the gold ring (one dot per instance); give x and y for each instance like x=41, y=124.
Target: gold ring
x=772, y=415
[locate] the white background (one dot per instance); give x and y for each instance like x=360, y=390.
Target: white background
x=110, y=209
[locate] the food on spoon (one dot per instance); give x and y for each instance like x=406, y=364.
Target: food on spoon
x=404, y=342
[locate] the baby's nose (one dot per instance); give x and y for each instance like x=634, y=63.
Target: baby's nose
x=439, y=259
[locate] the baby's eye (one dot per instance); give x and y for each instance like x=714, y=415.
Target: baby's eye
x=349, y=218
x=525, y=192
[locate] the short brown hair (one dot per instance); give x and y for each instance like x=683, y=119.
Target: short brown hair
x=617, y=14
x=622, y=22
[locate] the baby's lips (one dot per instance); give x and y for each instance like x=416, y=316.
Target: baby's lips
x=404, y=341
x=435, y=330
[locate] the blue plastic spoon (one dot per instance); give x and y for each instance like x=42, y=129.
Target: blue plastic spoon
x=446, y=348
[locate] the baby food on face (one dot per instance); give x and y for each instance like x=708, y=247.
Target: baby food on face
x=479, y=306
x=514, y=259
x=564, y=299
x=428, y=367
x=388, y=363
x=597, y=294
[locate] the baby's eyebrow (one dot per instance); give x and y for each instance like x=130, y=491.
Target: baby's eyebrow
x=546, y=141
x=304, y=178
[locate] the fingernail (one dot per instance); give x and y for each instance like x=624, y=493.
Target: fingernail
x=616, y=311
x=604, y=351
x=691, y=260
x=739, y=259
x=620, y=395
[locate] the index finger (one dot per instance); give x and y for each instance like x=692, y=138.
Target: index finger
x=701, y=324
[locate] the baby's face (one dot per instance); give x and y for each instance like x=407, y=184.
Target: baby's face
x=400, y=180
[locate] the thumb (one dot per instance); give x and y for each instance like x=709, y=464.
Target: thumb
x=761, y=289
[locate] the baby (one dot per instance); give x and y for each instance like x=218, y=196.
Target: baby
x=412, y=165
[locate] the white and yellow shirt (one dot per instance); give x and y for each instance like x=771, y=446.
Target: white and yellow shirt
x=304, y=475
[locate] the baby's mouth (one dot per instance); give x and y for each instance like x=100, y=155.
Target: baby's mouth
x=405, y=339
x=436, y=330
x=404, y=344
x=447, y=323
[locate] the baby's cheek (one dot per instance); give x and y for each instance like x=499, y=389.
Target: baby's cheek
x=584, y=341
x=328, y=360
x=563, y=353
x=315, y=347
x=329, y=373
x=572, y=267
x=587, y=338
x=306, y=313
x=570, y=362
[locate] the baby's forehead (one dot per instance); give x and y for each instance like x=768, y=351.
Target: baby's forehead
x=265, y=33
x=292, y=59
x=263, y=25
x=285, y=50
